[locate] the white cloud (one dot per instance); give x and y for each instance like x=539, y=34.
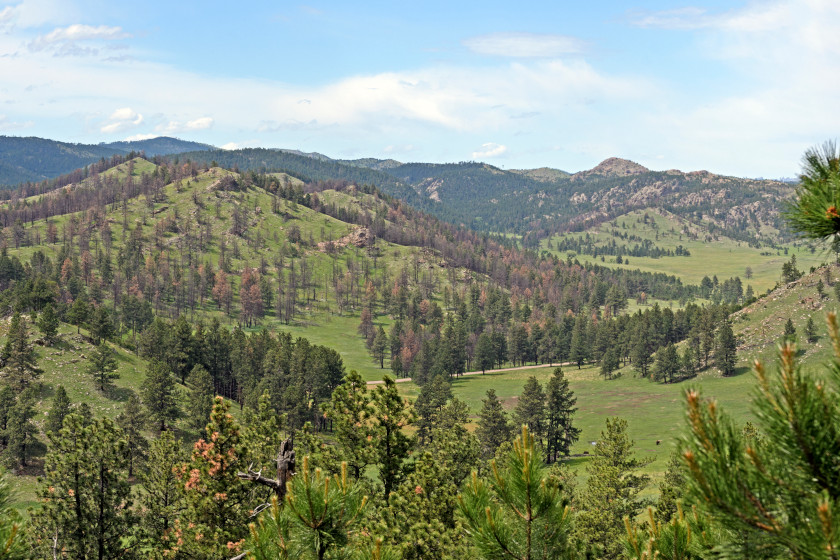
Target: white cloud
x=231, y=146
x=121, y=119
x=173, y=127
x=489, y=150
x=6, y=15
x=525, y=45
x=74, y=40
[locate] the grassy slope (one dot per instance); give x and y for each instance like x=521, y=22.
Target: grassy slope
x=723, y=256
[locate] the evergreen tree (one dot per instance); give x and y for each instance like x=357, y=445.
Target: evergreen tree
x=725, y=350
x=132, y=420
x=688, y=362
x=811, y=330
x=78, y=313
x=60, y=409
x=163, y=498
x=217, y=503
x=390, y=415
x=484, y=353
x=380, y=346
x=493, y=426
x=12, y=528
x=560, y=407
x=431, y=400
x=349, y=412
x=530, y=409
x=200, y=399
x=609, y=362
x=20, y=431
x=321, y=520
x=102, y=365
x=20, y=362
x=671, y=489
x=612, y=490
x=101, y=325
x=48, y=324
x=158, y=395
x=579, y=347
x=777, y=492
x=85, y=498
x=517, y=513
x=667, y=365
x=789, y=333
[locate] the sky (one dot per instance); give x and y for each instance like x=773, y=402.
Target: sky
x=740, y=88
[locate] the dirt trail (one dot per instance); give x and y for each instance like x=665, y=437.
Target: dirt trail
x=405, y=379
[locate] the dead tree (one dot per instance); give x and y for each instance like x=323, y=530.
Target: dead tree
x=285, y=470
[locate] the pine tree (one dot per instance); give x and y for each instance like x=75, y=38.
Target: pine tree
x=517, y=513
x=579, y=346
x=390, y=415
x=666, y=366
x=493, y=426
x=321, y=520
x=200, y=399
x=20, y=362
x=102, y=365
x=163, y=496
x=60, y=409
x=20, y=431
x=380, y=346
x=78, y=313
x=101, y=325
x=777, y=491
x=530, y=408
x=790, y=332
x=725, y=350
x=85, y=498
x=48, y=324
x=811, y=330
x=612, y=490
x=217, y=503
x=609, y=362
x=484, y=352
x=12, y=529
x=349, y=413
x=132, y=420
x=560, y=408
x=431, y=400
x=421, y=515
x=158, y=394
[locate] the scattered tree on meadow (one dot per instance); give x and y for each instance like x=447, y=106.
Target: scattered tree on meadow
x=102, y=365
x=725, y=350
x=493, y=426
x=560, y=408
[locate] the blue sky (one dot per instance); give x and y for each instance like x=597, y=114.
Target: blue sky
x=741, y=88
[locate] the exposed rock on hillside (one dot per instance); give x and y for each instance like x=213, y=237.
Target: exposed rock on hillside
x=614, y=167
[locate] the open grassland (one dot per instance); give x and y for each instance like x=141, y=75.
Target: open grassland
x=654, y=411
x=709, y=254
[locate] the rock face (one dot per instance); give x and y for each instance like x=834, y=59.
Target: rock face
x=615, y=167
x=361, y=237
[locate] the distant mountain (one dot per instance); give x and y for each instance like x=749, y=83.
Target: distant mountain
x=160, y=146
x=24, y=159
x=35, y=159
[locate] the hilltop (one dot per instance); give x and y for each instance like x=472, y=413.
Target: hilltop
x=32, y=159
